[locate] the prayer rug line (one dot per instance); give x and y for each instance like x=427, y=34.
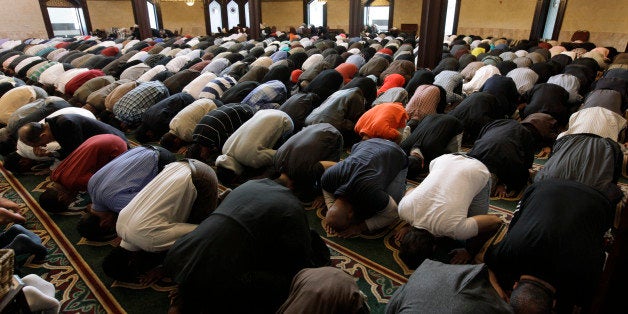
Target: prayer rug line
x=102, y=294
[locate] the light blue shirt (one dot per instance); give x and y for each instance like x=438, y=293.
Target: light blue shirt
x=115, y=184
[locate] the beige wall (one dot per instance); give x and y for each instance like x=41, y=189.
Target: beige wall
x=407, y=12
x=338, y=14
x=108, y=14
x=606, y=20
x=282, y=14
x=507, y=18
x=21, y=19
x=177, y=15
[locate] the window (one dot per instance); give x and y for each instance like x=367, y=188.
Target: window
x=215, y=17
x=246, y=14
x=152, y=15
x=550, y=22
x=233, y=14
x=377, y=17
x=67, y=21
x=315, y=13
x=451, y=16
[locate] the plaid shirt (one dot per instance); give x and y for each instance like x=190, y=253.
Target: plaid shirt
x=130, y=107
x=267, y=96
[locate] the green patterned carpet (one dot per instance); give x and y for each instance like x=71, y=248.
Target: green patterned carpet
x=73, y=264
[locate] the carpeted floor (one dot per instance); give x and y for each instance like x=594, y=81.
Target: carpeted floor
x=73, y=264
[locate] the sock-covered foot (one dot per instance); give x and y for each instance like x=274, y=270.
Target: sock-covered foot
x=38, y=301
x=23, y=244
x=44, y=286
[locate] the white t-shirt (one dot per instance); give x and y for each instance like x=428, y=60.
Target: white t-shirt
x=440, y=204
x=156, y=217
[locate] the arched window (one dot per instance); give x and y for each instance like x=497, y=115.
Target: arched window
x=315, y=12
x=227, y=14
x=65, y=17
x=377, y=15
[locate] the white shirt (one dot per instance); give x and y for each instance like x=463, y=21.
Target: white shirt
x=155, y=217
x=195, y=87
x=67, y=76
x=177, y=63
x=141, y=55
x=440, y=204
x=595, y=120
x=183, y=124
x=481, y=76
x=50, y=75
x=148, y=75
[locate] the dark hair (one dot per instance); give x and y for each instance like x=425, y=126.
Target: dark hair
x=531, y=297
x=51, y=202
x=168, y=141
x=12, y=163
x=226, y=176
x=117, y=265
x=414, y=166
x=33, y=131
x=416, y=246
x=193, y=151
x=89, y=228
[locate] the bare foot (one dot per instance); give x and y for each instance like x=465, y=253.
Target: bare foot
x=319, y=202
x=8, y=216
x=8, y=204
x=461, y=256
x=402, y=233
x=500, y=191
x=152, y=275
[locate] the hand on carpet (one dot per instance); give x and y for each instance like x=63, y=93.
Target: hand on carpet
x=500, y=191
x=352, y=231
x=461, y=256
x=545, y=152
x=319, y=202
x=9, y=204
x=8, y=216
x=152, y=275
x=402, y=233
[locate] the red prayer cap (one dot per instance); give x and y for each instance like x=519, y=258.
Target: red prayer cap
x=294, y=76
x=392, y=80
x=147, y=48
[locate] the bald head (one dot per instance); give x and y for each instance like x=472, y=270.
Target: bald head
x=340, y=215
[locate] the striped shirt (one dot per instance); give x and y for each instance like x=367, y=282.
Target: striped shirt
x=131, y=106
x=570, y=83
x=524, y=78
x=195, y=87
x=424, y=102
x=216, y=87
x=596, y=120
x=217, y=125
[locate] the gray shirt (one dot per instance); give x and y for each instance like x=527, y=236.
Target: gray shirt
x=442, y=288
